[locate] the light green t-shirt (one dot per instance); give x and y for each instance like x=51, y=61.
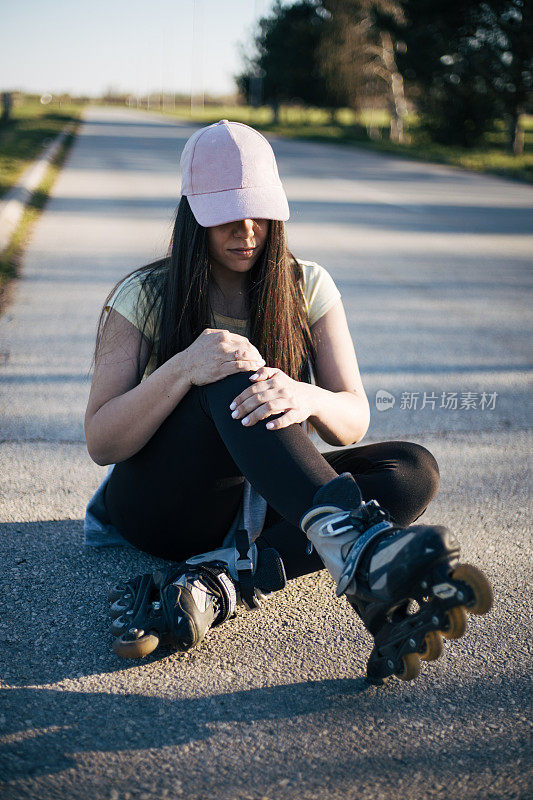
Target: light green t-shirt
x=319, y=291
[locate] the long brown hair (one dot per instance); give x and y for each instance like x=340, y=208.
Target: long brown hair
x=175, y=292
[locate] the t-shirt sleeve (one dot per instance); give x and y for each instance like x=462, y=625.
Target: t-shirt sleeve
x=129, y=300
x=320, y=291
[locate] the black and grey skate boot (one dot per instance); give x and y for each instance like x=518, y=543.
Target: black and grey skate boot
x=194, y=599
x=384, y=569
x=178, y=606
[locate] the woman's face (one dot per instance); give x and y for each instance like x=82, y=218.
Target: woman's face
x=236, y=246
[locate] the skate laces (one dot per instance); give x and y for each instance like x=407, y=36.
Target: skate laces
x=368, y=514
x=371, y=522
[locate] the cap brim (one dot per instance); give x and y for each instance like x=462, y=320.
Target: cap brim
x=217, y=208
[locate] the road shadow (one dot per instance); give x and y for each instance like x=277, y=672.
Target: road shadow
x=60, y=724
x=140, y=123
x=66, y=694
x=427, y=218
x=57, y=589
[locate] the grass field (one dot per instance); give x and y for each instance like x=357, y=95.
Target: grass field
x=370, y=129
x=31, y=128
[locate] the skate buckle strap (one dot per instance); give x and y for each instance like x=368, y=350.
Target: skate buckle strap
x=355, y=554
x=337, y=525
x=214, y=576
x=230, y=589
x=244, y=567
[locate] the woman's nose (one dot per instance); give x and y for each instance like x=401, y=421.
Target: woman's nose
x=245, y=226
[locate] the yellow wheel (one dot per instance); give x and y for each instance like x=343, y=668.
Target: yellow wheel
x=479, y=584
x=456, y=623
x=135, y=648
x=432, y=646
x=411, y=667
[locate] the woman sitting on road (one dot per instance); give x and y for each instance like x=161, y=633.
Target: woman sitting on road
x=211, y=366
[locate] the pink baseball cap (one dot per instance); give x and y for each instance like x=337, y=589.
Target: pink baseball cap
x=229, y=172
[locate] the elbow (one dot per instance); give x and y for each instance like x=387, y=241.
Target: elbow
x=353, y=437
x=97, y=455
x=101, y=460
x=96, y=452
x=365, y=424
x=362, y=422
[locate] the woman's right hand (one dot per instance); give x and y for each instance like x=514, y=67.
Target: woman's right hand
x=217, y=353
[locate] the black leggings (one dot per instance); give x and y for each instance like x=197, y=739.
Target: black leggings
x=178, y=496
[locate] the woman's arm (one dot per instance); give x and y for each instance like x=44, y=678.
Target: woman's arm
x=342, y=414
x=122, y=415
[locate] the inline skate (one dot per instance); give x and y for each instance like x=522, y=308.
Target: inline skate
x=406, y=584
x=178, y=605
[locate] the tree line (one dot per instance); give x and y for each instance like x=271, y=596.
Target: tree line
x=463, y=64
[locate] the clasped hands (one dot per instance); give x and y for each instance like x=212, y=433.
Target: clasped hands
x=273, y=392
x=217, y=353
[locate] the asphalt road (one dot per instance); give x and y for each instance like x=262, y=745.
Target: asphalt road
x=434, y=266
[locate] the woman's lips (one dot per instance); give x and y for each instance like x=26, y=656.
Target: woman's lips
x=243, y=251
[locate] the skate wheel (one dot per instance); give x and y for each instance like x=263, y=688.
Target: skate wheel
x=479, y=584
x=432, y=646
x=135, y=648
x=411, y=667
x=456, y=623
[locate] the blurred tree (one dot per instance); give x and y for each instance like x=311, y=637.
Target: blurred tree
x=507, y=28
x=358, y=55
x=467, y=64
x=286, y=58
x=7, y=103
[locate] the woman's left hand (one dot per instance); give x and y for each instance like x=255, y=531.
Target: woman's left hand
x=272, y=392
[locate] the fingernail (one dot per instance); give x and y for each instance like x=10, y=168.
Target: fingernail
x=253, y=377
x=233, y=405
x=235, y=414
x=262, y=362
x=246, y=420
x=270, y=424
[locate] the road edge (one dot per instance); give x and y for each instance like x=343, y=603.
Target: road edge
x=23, y=203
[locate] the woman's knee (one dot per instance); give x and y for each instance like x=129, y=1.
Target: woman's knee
x=236, y=381
x=225, y=390
x=418, y=466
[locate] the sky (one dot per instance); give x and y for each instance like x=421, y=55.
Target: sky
x=135, y=46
